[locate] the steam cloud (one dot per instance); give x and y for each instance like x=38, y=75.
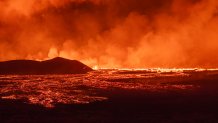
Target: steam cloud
x=112, y=33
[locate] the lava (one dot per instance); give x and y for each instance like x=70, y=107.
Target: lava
x=50, y=90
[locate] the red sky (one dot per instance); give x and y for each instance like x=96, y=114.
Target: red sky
x=112, y=33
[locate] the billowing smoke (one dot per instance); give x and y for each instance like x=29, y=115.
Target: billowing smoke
x=112, y=33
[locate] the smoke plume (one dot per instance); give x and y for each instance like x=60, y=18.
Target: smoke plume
x=112, y=33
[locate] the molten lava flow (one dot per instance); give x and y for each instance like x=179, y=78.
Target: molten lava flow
x=112, y=33
x=49, y=90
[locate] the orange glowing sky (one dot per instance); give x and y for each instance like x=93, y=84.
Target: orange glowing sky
x=112, y=33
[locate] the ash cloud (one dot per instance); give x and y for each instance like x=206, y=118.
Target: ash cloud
x=112, y=33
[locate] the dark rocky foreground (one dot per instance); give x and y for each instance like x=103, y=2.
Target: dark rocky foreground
x=198, y=105
x=54, y=66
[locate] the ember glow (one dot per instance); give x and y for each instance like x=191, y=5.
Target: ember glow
x=49, y=90
x=112, y=33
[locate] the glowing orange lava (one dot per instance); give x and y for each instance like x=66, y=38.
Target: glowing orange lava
x=49, y=90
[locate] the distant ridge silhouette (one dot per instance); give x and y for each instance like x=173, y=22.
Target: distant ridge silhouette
x=56, y=65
